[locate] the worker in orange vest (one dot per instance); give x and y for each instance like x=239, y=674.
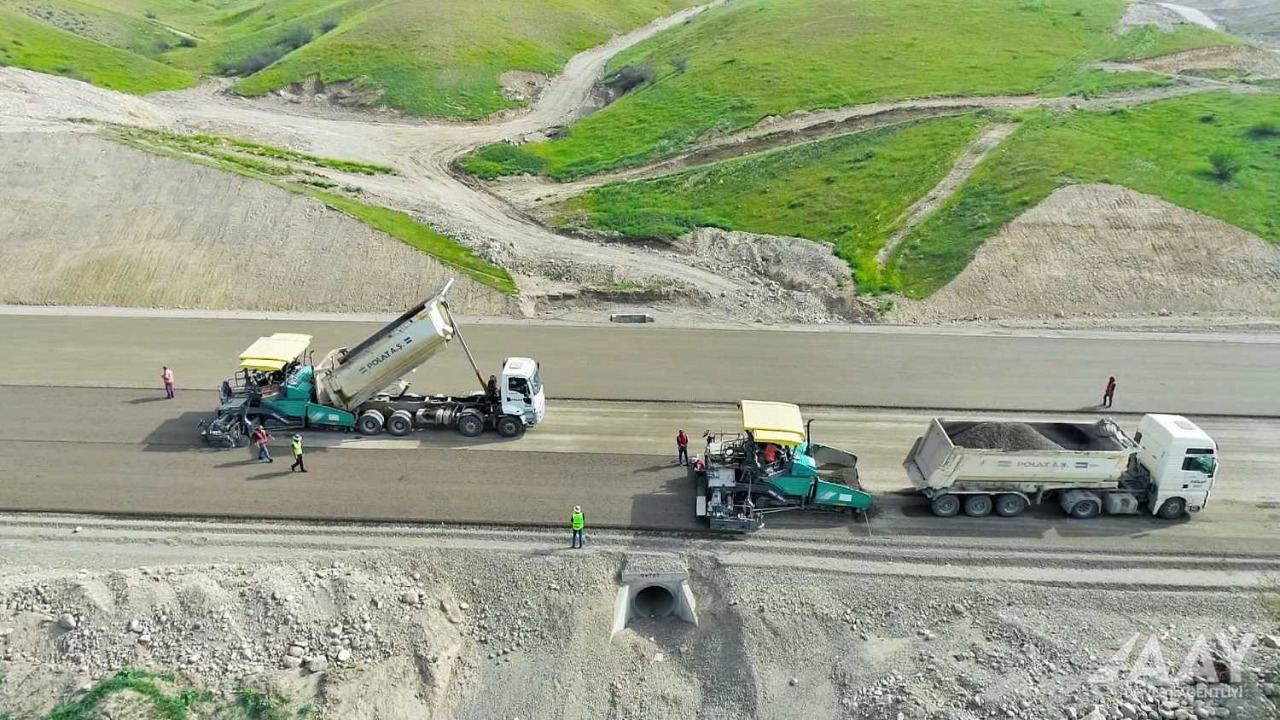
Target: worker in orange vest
x=167, y=376
x=682, y=448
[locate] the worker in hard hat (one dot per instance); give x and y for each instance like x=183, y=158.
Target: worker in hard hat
x=578, y=522
x=295, y=443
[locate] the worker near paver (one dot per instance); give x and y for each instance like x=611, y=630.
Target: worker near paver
x=262, y=437
x=682, y=448
x=770, y=453
x=578, y=522
x=166, y=375
x=1109, y=393
x=295, y=444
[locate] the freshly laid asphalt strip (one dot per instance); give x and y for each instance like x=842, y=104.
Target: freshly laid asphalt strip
x=394, y=485
x=907, y=369
x=133, y=453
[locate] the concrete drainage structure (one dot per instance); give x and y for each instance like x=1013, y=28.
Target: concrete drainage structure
x=653, y=586
x=631, y=318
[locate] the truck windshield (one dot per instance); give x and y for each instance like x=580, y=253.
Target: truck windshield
x=535, y=382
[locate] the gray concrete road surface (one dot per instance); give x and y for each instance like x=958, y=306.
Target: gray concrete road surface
x=907, y=368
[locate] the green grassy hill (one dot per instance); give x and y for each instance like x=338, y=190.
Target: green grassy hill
x=850, y=191
x=29, y=43
x=441, y=58
x=751, y=59
x=1218, y=154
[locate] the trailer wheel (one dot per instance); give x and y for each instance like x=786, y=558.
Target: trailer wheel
x=1172, y=509
x=400, y=423
x=977, y=505
x=470, y=424
x=1086, y=509
x=370, y=422
x=510, y=426
x=1010, y=504
x=945, y=505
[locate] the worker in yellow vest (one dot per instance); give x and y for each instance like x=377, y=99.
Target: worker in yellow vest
x=579, y=522
x=296, y=445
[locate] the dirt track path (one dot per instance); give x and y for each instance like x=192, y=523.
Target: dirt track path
x=531, y=192
x=421, y=152
x=495, y=220
x=968, y=161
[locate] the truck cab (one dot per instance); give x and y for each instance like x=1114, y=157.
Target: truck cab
x=1181, y=461
x=520, y=389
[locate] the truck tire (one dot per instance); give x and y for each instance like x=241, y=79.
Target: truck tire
x=470, y=424
x=945, y=505
x=400, y=423
x=1086, y=508
x=977, y=505
x=510, y=426
x=1172, y=509
x=1010, y=504
x=371, y=422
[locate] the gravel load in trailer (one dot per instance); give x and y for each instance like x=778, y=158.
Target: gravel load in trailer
x=1166, y=468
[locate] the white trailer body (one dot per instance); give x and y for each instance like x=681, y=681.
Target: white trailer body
x=349, y=378
x=1166, y=468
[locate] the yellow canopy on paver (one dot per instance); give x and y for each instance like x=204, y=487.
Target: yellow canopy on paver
x=773, y=422
x=273, y=353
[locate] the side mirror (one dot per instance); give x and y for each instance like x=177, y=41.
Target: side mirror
x=528, y=400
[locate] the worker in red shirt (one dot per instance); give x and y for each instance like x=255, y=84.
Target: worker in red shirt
x=1109, y=393
x=682, y=448
x=166, y=375
x=770, y=454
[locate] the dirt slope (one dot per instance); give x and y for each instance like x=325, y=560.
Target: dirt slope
x=86, y=221
x=1253, y=61
x=1099, y=250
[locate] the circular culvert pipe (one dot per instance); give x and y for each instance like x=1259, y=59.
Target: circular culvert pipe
x=654, y=601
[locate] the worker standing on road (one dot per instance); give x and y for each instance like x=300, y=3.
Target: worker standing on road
x=682, y=448
x=167, y=376
x=578, y=522
x=1109, y=393
x=262, y=437
x=296, y=446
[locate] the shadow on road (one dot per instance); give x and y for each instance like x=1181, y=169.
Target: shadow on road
x=669, y=505
x=271, y=475
x=238, y=463
x=176, y=434
x=660, y=467
x=148, y=399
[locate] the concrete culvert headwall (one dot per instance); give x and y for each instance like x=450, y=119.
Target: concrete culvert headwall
x=653, y=601
x=653, y=586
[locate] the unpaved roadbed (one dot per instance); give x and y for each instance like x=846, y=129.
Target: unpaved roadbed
x=381, y=623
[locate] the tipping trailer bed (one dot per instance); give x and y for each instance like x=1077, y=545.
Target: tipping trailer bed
x=1018, y=455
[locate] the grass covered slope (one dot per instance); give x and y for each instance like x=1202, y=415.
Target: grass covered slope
x=444, y=58
x=850, y=191
x=750, y=59
x=43, y=47
x=441, y=58
x=1217, y=154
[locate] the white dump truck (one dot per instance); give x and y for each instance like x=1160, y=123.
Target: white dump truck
x=1166, y=469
